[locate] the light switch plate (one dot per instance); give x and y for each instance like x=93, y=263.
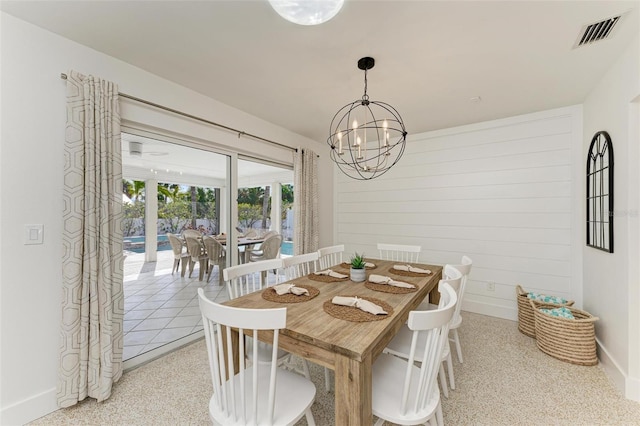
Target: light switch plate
x=33, y=234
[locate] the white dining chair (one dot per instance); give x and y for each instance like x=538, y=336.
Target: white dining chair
x=330, y=256
x=404, y=393
x=465, y=270
x=248, y=278
x=258, y=393
x=399, y=252
x=300, y=265
x=400, y=345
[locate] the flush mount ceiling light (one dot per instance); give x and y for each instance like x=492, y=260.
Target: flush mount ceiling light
x=307, y=12
x=366, y=137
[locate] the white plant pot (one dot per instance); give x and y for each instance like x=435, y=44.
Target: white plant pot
x=358, y=275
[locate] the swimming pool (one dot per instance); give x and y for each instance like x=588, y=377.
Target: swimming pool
x=287, y=248
x=136, y=244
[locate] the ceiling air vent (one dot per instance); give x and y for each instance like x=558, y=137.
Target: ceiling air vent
x=597, y=31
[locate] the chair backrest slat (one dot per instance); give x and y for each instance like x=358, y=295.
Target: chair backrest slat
x=247, y=278
x=300, y=265
x=463, y=268
x=399, y=252
x=330, y=256
x=240, y=405
x=435, y=323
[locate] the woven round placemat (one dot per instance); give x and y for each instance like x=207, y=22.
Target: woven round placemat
x=345, y=265
x=407, y=273
x=385, y=288
x=350, y=313
x=271, y=295
x=326, y=278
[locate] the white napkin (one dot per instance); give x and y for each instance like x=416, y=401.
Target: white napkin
x=380, y=279
x=361, y=304
x=369, y=265
x=410, y=268
x=290, y=288
x=331, y=273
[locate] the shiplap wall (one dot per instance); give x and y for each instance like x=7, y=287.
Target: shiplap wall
x=501, y=192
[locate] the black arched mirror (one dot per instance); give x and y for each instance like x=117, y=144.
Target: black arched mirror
x=600, y=193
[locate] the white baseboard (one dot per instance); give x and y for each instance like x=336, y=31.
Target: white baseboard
x=40, y=405
x=29, y=409
x=628, y=386
x=632, y=389
x=490, y=310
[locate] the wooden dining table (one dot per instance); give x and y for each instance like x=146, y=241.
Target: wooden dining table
x=349, y=348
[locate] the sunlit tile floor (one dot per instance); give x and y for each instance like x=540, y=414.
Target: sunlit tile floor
x=160, y=307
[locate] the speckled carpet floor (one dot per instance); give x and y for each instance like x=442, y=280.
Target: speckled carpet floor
x=504, y=380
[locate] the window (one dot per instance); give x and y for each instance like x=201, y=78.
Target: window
x=600, y=193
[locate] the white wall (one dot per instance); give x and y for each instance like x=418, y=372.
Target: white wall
x=31, y=165
x=611, y=285
x=501, y=192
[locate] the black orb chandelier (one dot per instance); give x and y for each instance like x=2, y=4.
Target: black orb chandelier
x=366, y=137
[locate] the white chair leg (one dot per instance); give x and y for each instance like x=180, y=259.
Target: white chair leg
x=327, y=380
x=379, y=422
x=452, y=380
x=443, y=381
x=191, y=264
x=439, y=417
x=456, y=339
x=305, y=369
x=310, y=420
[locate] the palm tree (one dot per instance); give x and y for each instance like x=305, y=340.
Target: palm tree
x=134, y=189
x=194, y=206
x=265, y=206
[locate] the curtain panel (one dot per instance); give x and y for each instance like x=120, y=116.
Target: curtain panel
x=305, y=198
x=91, y=339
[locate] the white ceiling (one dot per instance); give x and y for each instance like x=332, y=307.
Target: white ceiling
x=432, y=57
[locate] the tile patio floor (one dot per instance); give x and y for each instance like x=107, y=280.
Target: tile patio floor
x=159, y=307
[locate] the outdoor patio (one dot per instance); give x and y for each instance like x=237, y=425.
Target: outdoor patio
x=160, y=307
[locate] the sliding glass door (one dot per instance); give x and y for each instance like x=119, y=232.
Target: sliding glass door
x=169, y=188
x=265, y=200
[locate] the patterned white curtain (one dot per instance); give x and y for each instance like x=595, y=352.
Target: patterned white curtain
x=93, y=303
x=305, y=199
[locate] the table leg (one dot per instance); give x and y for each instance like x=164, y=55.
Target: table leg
x=353, y=391
x=235, y=349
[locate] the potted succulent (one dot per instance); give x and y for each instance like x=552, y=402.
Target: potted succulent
x=357, y=271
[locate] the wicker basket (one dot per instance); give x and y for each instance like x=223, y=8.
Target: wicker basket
x=526, y=322
x=570, y=340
